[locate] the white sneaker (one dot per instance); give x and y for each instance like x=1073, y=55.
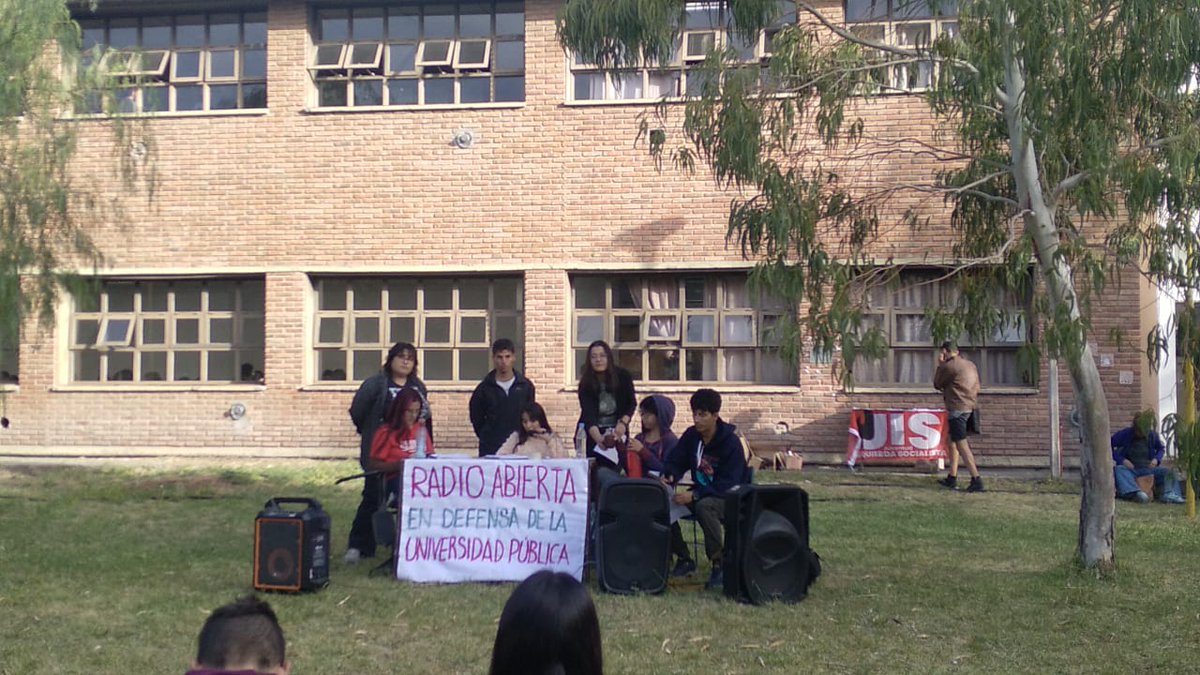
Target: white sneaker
x=352, y=556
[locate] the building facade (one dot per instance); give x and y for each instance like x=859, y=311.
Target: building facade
x=332, y=178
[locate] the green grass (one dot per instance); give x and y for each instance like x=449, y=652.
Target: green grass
x=114, y=570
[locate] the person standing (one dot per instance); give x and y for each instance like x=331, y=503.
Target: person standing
x=499, y=398
x=606, y=404
x=371, y=402
x=958, y=380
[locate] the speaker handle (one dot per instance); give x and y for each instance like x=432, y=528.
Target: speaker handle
x=274, y=502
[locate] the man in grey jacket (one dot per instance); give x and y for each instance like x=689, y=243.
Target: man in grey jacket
x=958, y=380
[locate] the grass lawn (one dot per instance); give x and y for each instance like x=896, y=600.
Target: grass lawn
x=107, y=570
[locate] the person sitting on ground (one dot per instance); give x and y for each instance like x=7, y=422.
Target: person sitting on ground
x=534, y=439
x=402, y=436
x=653, y=446
x=241, y=638
x=712, y=451
x=1138, y=451
x=548, y=627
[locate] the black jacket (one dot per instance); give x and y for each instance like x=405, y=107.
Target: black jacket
x=370, y=404
x=589, y=400
x=715, y=467
x=494, y=414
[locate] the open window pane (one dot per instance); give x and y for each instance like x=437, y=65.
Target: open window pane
x=472, y=53
x=435, y=53
x=365, y=55
x=329, y=56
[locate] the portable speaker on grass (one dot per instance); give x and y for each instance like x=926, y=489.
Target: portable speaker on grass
x=634, y=538
x=291, y=547
x=766, y=554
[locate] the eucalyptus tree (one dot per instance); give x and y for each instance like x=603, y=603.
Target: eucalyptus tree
x=46, y=210
x=1062, y=129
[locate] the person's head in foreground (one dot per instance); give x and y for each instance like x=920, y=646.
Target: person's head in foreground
x=548, y=627
x=241, y=637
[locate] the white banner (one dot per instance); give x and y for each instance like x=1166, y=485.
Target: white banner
x=491, y=519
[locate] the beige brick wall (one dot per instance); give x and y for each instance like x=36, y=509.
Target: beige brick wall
x=547, y=189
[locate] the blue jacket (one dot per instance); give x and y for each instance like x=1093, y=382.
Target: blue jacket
x=1122, y=439
x=715, y=467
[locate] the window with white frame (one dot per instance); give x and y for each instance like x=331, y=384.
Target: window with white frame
x=900, y=311
x=680, y=327
x=451, y=321
x=179, y=63
x=903, y=23
x=707, y=26
x=182, y=330
x=436, y=53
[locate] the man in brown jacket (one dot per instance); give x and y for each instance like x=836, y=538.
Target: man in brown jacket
x=958, y=380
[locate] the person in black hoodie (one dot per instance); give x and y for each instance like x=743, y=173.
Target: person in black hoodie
x=711, y=450
x=498, y=400
x=370, y=404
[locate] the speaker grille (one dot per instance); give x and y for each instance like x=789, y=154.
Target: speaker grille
x=634, y=541
x=278, y=554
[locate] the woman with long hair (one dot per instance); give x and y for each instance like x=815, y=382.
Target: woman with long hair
x=606, y=402
x=401, y=436
x=548, y=627
x=371, y=402
x=534, y=439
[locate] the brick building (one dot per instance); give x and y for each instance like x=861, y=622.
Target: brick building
x=335, y=177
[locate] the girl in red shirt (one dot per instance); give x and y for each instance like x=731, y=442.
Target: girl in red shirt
x=401, y=436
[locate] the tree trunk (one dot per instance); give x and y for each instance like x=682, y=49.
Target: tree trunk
x=1097, y=508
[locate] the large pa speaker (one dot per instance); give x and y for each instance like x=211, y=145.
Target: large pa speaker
x=766, y=554
x=633, y=543
x=291, y=547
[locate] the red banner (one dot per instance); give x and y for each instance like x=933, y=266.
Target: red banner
x=896, y=435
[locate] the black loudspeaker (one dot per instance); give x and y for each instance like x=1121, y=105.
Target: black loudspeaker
x=633, y=543
x=291, y=548
x=766, y=554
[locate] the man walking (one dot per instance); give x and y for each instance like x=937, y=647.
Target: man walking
x=958, y=380
x=498, y=400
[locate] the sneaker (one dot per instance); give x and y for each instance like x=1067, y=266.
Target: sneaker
x=976, y=485
x=352, y=556
x=1172, y=498
x=684, y=568
x=1141, y=497
x=716, y=580
x=949, y=482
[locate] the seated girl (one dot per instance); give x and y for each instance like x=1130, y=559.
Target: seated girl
x=534, y=439
x=401, y=436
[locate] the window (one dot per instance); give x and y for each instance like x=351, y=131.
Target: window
x=419, y=54
x=672, y=328
x=452, y=322
x=899, y=310
x=903, y=23
x=186, y=330
x=707, y=26
x=179, y=63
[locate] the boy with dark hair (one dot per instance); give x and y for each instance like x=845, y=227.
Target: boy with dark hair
x=711, y=450
x=498, y=400
x=958, y=380
x=241, y=638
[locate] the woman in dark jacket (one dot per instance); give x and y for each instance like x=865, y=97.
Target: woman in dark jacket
x=606, y=403
x=370, y=404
